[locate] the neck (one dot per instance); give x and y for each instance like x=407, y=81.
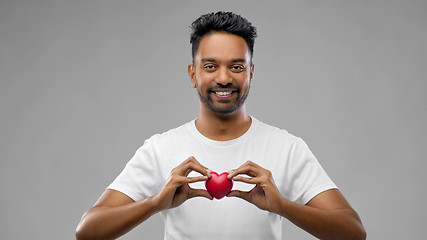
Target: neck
x=223, y=127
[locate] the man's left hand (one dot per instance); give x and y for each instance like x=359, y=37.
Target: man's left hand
x=265, y=194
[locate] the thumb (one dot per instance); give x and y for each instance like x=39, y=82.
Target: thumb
x=239, y=194
x=199, y=193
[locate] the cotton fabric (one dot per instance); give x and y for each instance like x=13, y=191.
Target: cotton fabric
x=296, y=172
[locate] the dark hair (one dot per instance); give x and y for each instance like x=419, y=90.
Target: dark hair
x=222, y=22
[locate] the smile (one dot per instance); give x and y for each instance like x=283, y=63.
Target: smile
x=223, y=93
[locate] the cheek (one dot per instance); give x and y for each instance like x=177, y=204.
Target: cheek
x=203, y=79
x=245, y=81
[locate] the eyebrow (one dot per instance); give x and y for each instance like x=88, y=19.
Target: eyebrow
x=239, y=60
x=213, y=60
x=208, y=60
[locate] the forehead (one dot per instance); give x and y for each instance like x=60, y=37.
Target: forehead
x=223, y=47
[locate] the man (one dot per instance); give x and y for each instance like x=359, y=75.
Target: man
x=273, y=171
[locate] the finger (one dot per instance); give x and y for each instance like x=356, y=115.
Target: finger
x=199, y=193
x=253, y=180
x=196, y=179
x=247, y=169
x=230, y=174
x=208, y=172
x=239, y=194
x=178, y=180
x=191, y=164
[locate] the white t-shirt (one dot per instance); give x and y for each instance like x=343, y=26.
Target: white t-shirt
x=296, y=172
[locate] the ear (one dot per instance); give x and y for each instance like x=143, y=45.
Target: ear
x=252, y=73
x=192, y=75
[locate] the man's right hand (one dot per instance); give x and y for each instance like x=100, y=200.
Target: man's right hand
x=176, y=190
x=115, y=213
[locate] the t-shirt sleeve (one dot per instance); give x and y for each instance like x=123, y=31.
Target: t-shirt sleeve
x=307, y=177
x=139, y=179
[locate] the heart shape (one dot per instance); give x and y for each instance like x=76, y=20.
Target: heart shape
x=218, y=185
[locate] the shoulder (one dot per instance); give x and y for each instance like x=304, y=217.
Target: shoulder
x=174, y=132
x=268, y=132
x=170, y=137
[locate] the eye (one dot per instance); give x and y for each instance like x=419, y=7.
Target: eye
x=237, y=68
x=209, y=67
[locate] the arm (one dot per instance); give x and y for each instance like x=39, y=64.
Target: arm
x=114, y=214
x=327, y=216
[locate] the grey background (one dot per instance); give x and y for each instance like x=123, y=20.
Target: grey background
x=84, y=83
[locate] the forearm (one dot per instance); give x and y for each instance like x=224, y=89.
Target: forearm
x=325, y=224
x=112, y=222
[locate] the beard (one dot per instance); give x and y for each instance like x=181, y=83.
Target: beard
x=223, y=107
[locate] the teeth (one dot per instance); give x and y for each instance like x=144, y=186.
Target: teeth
x=223, y=93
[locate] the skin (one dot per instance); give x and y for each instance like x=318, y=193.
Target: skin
x=114, y=214
x=222, y=63
x=327, y=216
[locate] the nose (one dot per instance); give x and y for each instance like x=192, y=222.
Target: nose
x=223, y=77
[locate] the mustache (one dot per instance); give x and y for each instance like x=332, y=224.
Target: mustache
x=229, y=87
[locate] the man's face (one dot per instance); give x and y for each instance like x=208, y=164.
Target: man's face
x=222, y=72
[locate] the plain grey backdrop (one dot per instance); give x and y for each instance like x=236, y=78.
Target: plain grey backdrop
x=84, y=83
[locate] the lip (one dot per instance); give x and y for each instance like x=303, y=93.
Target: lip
x=233, y=91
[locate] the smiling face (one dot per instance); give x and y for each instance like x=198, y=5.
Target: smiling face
x=222, y=72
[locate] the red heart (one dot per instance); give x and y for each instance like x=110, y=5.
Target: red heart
x=219, y=185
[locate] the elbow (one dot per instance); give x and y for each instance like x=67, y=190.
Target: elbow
x=80, y=234
x=83, y=232
x=362, y=233
x=354, y=230
x=353, y=234
x=358, y=233
x=360, y=236
x=84, y=235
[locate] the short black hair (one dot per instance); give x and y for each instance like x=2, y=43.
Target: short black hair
x=222, y=22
